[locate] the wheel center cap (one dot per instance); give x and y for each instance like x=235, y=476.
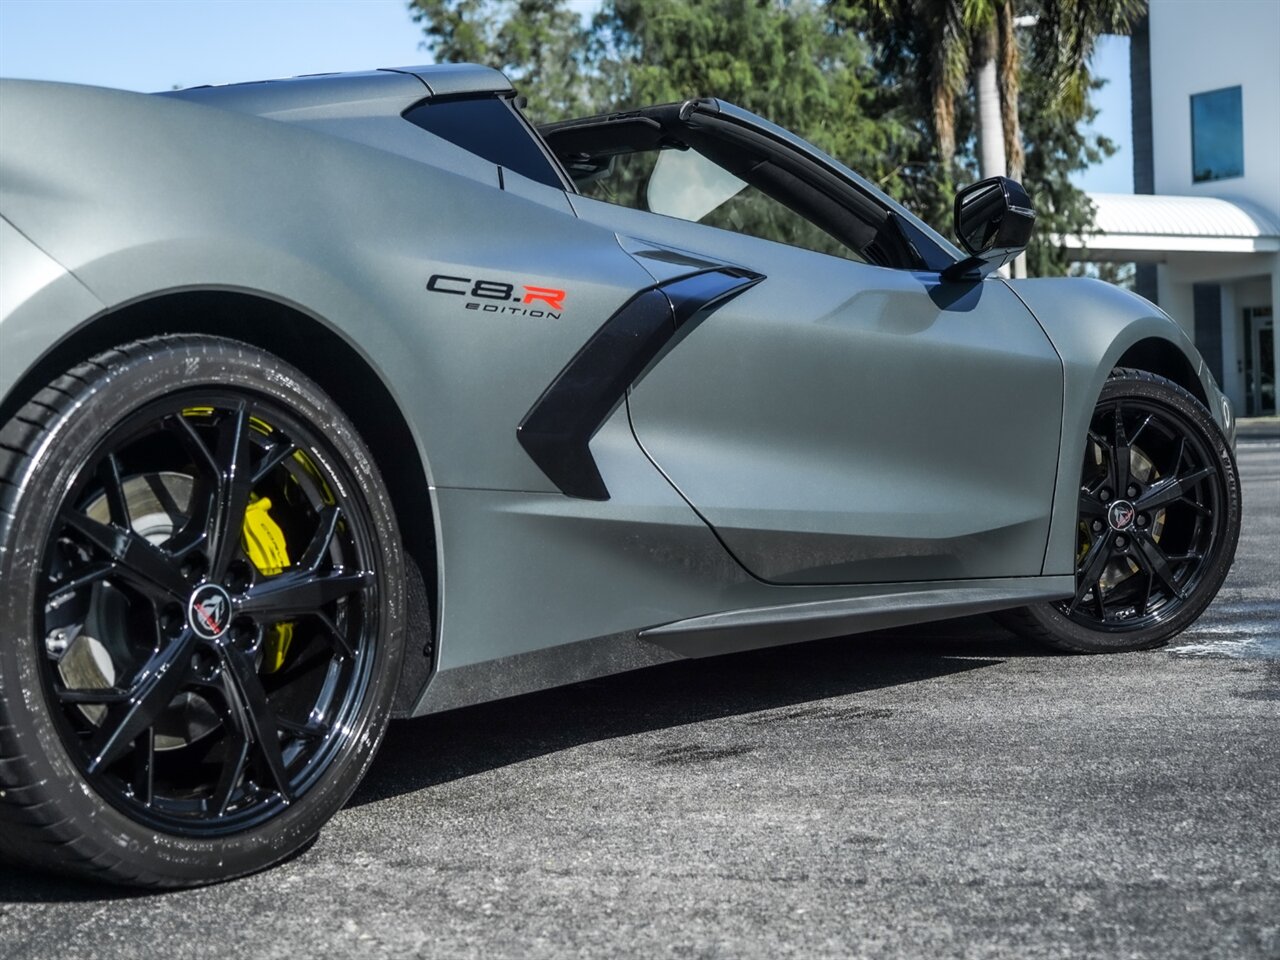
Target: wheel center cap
x=1121, y=514
x=209, y=611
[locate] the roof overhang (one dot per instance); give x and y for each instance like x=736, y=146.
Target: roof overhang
x=1148, y=227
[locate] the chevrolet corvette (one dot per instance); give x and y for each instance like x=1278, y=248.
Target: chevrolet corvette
x=335, y=399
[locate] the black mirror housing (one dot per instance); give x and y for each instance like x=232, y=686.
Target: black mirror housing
x=993, y=220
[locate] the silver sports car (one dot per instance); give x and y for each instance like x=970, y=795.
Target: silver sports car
x=330, y=400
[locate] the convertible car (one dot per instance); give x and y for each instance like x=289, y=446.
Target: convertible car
x=335, y=399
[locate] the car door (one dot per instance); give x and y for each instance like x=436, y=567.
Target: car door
x=842, y=422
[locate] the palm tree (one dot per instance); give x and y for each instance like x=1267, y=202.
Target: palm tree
x=990, y=25
x=974, y=44
x=963, y=45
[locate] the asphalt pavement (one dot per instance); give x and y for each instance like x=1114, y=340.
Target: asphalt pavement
x=942, y=791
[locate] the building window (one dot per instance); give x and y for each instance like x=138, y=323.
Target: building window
x=1217, y=135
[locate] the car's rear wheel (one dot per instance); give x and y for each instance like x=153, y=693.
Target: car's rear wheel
x=1158, y=521
x=202, y=612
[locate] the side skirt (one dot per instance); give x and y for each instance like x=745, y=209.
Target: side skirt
x=750, y=629
x=879, y=607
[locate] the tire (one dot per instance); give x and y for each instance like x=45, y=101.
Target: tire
x=201, y=600
x=1150, y=556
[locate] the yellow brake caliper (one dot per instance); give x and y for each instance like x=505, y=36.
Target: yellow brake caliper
x=263, y=541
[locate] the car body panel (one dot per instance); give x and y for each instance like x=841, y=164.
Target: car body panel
x=842, y=423
x=34, y=290
x=316, y=194
x=358, y=106
x=235, y=216
x=457, y=79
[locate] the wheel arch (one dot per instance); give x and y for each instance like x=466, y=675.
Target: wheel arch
x=1164, y=358
x=307, y=342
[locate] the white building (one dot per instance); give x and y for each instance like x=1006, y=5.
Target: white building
x=1204, y=223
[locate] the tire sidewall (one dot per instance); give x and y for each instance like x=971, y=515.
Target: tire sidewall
x=128, y=382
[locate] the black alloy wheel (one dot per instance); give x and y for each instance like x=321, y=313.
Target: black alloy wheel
x=211, y=612
x=1158, y=521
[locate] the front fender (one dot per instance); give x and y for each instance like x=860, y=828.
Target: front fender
x=1092, y=325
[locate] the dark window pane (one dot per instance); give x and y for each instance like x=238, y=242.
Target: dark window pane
x=750, y=211
x=756, y=214
x=489, y=127
x=623, y=181
x=1217, y=135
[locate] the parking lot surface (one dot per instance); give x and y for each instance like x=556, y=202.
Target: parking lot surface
x=935, y=791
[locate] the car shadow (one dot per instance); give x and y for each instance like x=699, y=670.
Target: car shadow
x=439, y=748
x=428, y=751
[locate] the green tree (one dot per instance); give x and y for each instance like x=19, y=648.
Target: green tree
x=894, y=88
x=540, y=44
x=786, y=61
x=958, y=45
x=942, y=50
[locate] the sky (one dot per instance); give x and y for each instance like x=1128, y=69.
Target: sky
x=161, y=44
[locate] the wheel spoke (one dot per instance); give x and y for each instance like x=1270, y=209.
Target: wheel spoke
x=336, y=638
x=1090, y=570
x=180, y=426
x=1146, y=421
x=1178, y=458
x=1120, y=454
x=304, y=589
x=307, y=731
x=1165, y=492
x=304, y=664
x=144, y=762
x=253, y=710
x=194, y=533
x=146, y=567
x=94, y=695
x=1091, y=506
x=84, y=578
x=157, y=683
x=1099, y=440
x=108, y=475
x=278, y=454
x=231, y=775
x=218, y=503
x=1145, y=603
x=294, y=595
x=233, y=455
x=1100, y=606
x=201, y=510
x=1199, y=508
x=320, y=540
x=1150, y=556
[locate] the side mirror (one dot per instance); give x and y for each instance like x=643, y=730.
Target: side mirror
x=993, y=222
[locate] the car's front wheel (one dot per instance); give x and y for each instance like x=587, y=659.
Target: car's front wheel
x=201, y=610
x=1157, y=525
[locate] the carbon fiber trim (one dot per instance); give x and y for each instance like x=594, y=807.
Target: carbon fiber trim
x=557, y=430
